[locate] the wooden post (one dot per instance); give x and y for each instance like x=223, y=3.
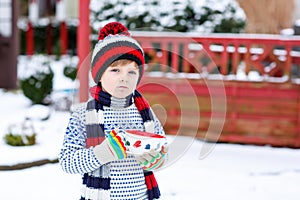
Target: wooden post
x=9, y=44
x=33, y=16
x=63, y=38
x=84, y=46
x=30, y=39
x=61, y=17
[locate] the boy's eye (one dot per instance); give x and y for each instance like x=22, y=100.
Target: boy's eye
x=114, y=70
x=132, y=72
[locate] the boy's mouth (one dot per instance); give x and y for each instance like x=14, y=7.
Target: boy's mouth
x=123, y=87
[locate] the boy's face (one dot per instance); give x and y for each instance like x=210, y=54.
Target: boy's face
x=120, y=80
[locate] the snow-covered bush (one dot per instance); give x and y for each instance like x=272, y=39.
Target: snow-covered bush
x=19, y=140
x=70, y=72
x=37, y=81
x=70, y=69
x=177, y=15
x=21, y=134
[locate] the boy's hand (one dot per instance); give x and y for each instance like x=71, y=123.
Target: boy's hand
x=111, y=149
x=153, y=159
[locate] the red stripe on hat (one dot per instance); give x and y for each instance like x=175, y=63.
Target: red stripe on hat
x=115, y=51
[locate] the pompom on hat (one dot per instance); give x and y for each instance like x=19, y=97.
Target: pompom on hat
x=115, y=43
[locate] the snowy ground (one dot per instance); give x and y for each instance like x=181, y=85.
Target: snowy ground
x=229, y=172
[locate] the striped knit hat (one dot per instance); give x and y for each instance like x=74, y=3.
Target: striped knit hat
x=115, y=43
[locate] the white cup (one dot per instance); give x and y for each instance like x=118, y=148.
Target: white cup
x=138, y=142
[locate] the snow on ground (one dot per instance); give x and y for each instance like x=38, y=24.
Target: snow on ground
x=230, y=172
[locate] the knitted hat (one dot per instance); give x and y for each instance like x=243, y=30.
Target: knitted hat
x=115, y=43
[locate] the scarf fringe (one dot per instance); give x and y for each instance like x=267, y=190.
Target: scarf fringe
x=153, y=190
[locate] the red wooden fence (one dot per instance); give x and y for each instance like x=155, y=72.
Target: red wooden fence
x=265, y=110
x=226, y=51
x=49, y=40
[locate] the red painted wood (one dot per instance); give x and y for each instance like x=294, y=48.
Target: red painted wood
x=256, y=112
x=30, y=40
x=63, y=38
x=230, y=47
x=84, y=48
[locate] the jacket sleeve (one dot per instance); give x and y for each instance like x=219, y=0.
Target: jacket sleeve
x=74, y=157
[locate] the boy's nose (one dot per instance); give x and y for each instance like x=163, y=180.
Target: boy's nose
x=123, y=77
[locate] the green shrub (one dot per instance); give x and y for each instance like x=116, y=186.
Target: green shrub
x=19, y=140
x=70, y=72
x=38, y=85
x=21, y=134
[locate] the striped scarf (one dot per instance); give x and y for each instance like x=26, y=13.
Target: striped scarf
x=100, y=182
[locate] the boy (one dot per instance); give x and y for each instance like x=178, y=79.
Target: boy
x=91, y=144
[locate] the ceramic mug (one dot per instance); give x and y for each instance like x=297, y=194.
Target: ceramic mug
x=137, y=142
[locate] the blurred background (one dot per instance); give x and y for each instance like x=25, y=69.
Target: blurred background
x=225, y=74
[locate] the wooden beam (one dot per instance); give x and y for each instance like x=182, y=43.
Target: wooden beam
x=84, y=48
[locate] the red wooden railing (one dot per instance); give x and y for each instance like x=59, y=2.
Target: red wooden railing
x=49, y=39
x=264, y=110
x=226, y=51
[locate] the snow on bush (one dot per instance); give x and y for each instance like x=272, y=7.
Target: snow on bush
x=204, y=16
x=36, y=79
